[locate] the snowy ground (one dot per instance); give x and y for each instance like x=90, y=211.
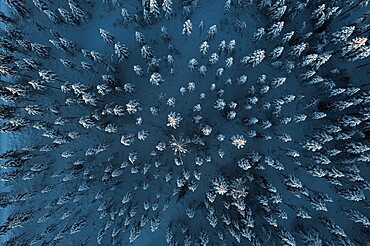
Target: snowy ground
x=86, y=36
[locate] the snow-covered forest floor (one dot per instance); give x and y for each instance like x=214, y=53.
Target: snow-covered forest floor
x=199, y=122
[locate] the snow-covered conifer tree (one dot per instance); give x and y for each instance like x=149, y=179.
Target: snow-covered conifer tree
x=213, y=59
x=167, y=8
x=133, y=106
x=343, y=34
x=238, y=141
x=298, y=49
x=192, y=64
x=147, y=52
x=138, y=70
x=68, y=17
x=41, y=50
x=187, y=29
x=227, y=6
x=358, y=217
x=53, y=17
x=140, y=38
x=231, y=46
x=211, y=33
x=277, y=52
x=107, y=37
x=203, y=48
x=229, y=62
x=127, y=18
x=258, y=34
x=276, y=82
x=154, y=8
x=77, y=11
x=18, y=6
x=353, y=45
x=174, y=120
x=202, y=70
x=278, y=12
x=156, y=79
x=275, y=30
x=287, y=37
x=121, y=51
x=254, y=59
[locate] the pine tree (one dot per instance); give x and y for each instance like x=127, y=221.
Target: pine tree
x=231, y=46
x=358, y=217
x=258, y=34
x=192, y=64
x=121, y=51
x=77, y=11
x=286, y=237
x=135, y=232
x=287, y=37
x=214, y=58
x=322, y=59
x=167, y=8
x=276, y=82
x=277, y=52
x=229, y=62
x=203, y=48
x=174, y=120
x=96, y=56
x=154, y=9
x=68, y=17
x=5, y=19
x=202, y=70
x=275, y=30
x=140, y=38
x=227, y=6
x=147, y=53
x=40, y=5
x=107, y=37
x=18, y=6
x=362, y=53
x=211, y=33
x=138, y=70
x=343, y=34
x=54, y=17
x=254, y=59
x=278, y=12
x=187, y=28
x=353, y=45
x=156, y=79
x=41, y=50
x=298, y=49
x=127, y=18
